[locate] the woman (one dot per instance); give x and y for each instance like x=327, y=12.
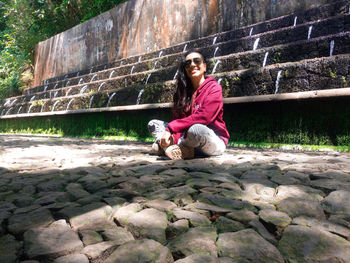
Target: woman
x=197, y=114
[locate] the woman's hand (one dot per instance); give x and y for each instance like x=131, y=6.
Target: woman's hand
x=166, y=140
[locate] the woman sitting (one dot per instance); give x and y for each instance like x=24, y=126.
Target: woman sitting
x=197, y=125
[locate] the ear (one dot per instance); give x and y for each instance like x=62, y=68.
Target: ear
x=205, y=67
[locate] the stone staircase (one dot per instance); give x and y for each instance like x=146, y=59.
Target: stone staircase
x=297, y=56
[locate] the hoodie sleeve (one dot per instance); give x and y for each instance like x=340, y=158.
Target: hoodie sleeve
x=209, y=104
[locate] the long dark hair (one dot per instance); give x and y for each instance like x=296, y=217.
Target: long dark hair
x=182, y=97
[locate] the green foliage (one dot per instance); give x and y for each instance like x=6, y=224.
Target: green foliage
x=112, y=125
x=24, y=23
x=332, y=74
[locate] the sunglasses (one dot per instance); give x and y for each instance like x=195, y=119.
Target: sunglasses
x=196, y=61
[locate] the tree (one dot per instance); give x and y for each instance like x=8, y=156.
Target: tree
x=24, y=23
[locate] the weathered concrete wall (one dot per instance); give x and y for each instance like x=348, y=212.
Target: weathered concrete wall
x=140, y=26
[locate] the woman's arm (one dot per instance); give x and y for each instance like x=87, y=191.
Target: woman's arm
x=209, y=105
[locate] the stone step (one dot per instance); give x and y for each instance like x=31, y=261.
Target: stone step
x=319, y=13
x=313, y=48
x=235, y=60
x=305, y=75
x=325, y=27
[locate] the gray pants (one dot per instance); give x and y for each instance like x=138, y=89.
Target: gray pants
x=198, y=136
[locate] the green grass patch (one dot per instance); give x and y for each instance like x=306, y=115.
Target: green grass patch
x=284, y=146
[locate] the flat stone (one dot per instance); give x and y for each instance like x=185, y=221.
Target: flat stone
x=195, y=258
x=86, y=215
x=4, y=196
x=261, y=182
x=91, y=198
x=261, y=229
x=199, y=173
x=340, y=219
x=51, y=186
x=212, y=208
x=298, y=191
x=4, y=214
x=161, y=205
x=258, y=192
x=177, y=228
x=75, y=258
x=198, y=183
x=143, y=251
x=277, y=218
x=301, y=177
x=19, y=223
x=118, y=235
x=149, y=223
x=337, y=202
x=304, y=244
x=223, y=178
x=220, y=201
x=196, y=219
x=261, y=205
x=183, y=200
x=197, y=240
x=174, y=177
x=223, y=224
x=285, y=180
x=226, y=260
x=231, y=186
x=51, y=242
x=92, y=184
x=108, y=192
x=26, y=209
x=171, y=193
x=96, y=251
x=90, y=237
x=174, y=172
x=9, y=249
x=46, y=198
x=100, y=224
x=117, y=180
x=148, y=169
x=255, y=174
x=330, y=184
x=124, y=213
x=331, y=174
x=7, y=206
x=115, y=202
x=323, y=225
x=141, y=185
x=23, y=200
x=247, y=246
x=76, y=191
x=244, y=216
x=295, y=207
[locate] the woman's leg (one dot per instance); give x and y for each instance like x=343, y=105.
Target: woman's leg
x=204, y=139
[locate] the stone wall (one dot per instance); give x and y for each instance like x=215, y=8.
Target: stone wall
x=141, y=26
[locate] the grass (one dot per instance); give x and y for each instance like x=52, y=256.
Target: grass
x=284, y=146
x=235, y=144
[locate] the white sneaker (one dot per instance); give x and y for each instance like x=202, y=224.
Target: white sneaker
x=177, y=152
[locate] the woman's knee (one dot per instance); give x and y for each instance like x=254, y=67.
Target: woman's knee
x=197, y=129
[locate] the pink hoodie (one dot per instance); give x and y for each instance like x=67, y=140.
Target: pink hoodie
x=207, y=110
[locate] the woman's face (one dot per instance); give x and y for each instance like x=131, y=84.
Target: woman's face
x=194, y=66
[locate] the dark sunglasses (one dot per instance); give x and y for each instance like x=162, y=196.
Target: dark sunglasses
x=196, y=61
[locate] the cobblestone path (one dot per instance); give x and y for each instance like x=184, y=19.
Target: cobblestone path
x=78, y=201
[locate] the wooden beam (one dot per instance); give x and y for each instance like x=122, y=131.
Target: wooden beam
x=328, y=93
